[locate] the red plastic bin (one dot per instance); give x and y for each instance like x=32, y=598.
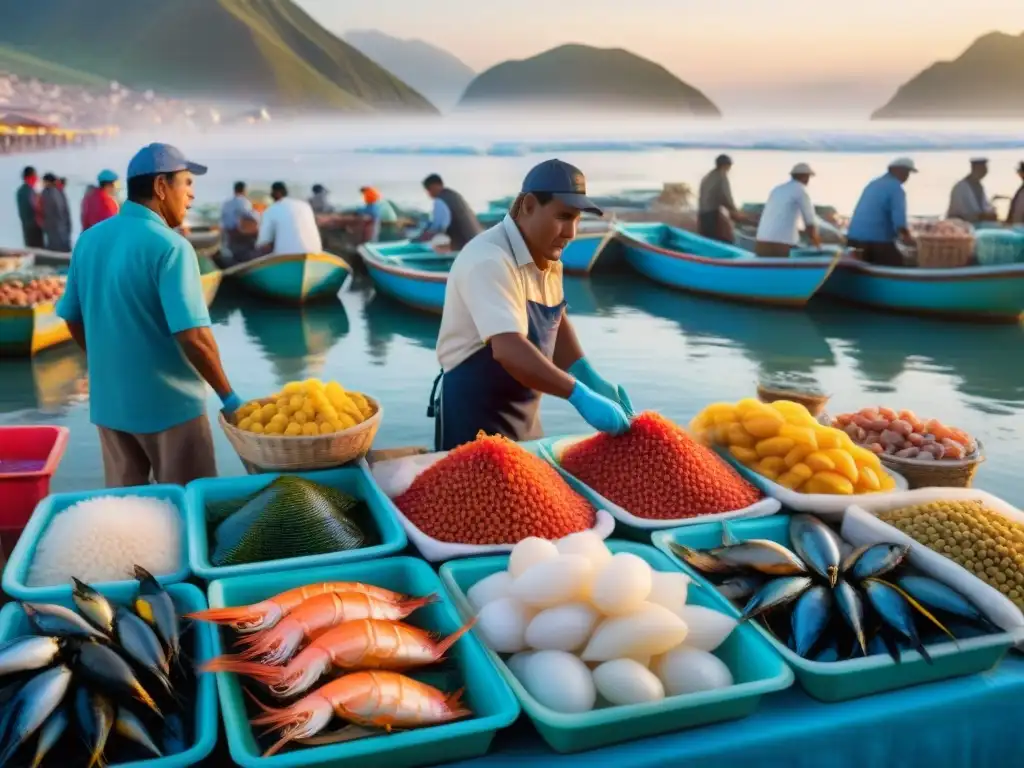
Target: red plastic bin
x=21, y=491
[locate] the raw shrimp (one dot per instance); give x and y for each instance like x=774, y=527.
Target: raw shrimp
x=279, y=643
x=266, y=614
x=376, y=699
x=364, y=644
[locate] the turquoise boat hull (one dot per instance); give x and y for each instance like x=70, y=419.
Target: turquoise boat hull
x=409, y=272
x=292, y=278
x=981, y=294
x=689, y=262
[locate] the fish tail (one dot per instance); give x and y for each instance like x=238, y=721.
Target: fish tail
x=445, y=645
x=143, y=696
x=238, y=666
x=924, y=612
x=919, y=647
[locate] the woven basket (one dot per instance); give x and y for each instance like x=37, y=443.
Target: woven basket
x=956, y=473
x=815, y=403
x=935, y=252
x=302, y=452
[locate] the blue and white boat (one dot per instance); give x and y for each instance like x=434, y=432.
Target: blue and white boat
x=690, y=262
x=411, y=273
x=292, y=278
x=580, y=255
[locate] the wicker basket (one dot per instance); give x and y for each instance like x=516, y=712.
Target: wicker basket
x=953, y=473
x=813, y=402
x=938, y=252
x=303, y=452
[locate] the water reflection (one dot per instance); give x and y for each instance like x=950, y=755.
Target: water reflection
x=386, y=320
x=46, y=383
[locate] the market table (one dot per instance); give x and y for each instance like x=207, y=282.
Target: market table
x=974, y=721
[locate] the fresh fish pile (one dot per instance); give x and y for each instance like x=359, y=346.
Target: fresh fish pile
x=99, y=683
x=829, y=607
x=294, y=641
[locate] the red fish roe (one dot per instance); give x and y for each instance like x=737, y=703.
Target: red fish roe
x=492, y=491
x=658, y=472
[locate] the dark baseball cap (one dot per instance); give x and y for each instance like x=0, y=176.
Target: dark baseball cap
x=562, y=181
x=161, y=158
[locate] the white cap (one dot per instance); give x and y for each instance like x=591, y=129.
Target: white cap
x=801, y=169
x=904, y=162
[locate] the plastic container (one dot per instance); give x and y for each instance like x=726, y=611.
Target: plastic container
x=21, y=491
x=394, y=476
x=355, y=480
x=486, y=693
x=756, y=668
x=639, y=527
x=15, y=579
x=198, y=643
x=999, y=246
x=821, y=504
x=853, y=678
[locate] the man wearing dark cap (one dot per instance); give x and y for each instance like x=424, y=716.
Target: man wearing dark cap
x=1016, y=215
x=716, y=196
x=319, y=201
x=288, y=226
x=134, y=303
x=505, y=338
x=451, y=216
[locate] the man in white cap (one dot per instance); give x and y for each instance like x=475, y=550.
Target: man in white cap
x=881, y=216
x=968, y=200
x=778, y=231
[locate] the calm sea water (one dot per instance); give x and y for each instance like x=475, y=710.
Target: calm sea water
x=675, y=353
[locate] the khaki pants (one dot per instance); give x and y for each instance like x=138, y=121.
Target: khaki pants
x=772, y=250
x=176, y=456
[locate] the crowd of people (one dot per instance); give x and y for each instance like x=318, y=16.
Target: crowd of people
x=45, y=213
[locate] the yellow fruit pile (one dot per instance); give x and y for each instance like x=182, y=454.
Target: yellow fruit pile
x=307, y=408
x=785, y=443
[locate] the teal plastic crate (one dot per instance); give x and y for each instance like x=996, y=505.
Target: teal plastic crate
x=486, y=694
x=198, y=643
x=853, y=678
x=756, y=668
x=15, y=579
x=355, y=481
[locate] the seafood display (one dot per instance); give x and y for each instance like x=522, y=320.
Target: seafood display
x=25, y=290
x=291, y=517
x=903, y=435
x=95, y=685
x=982, y=541
x=493, y=491
x=783, y=442
x=585, y=628
x=293, y=643
x=827, y=601
x=307, y=408
x=657, y=471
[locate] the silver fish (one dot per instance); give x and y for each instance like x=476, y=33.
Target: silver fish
x=50, y=734
x=817, y=544
x=156, y=608
x=775, y=593
x=937, y=596
x=138, y=639
x=93, y=606
x=761, y=555
x=131, y=728
x=104, y=668
x=811, y=614
x=94, y=714
x=24, y=654
x=851, y=607
x=34, y=703
x=57, y=620
x=891, y=606
x=874, y=560
x=740, y=587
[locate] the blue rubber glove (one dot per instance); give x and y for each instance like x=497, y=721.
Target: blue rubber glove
x=598, y=411
x=583, y=371
x=231, y=402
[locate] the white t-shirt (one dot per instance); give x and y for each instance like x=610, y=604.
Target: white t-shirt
x=291, y=226
x=787, y=204
x=491, y=281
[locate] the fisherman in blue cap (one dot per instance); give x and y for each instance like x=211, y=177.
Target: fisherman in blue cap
x=505, y=337
x=134, y=302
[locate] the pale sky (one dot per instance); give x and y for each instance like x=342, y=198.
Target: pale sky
x=736, y=51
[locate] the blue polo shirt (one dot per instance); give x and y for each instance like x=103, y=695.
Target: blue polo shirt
x=133, y=284
x=881, y=211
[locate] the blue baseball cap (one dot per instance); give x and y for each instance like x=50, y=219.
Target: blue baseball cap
x=563, y=181
x=161, y=158
x=106, y=176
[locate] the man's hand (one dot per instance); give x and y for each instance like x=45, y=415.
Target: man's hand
x=583, y=371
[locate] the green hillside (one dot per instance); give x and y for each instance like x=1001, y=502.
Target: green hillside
x=580, y=76
x=25, y=65
x=267, y=51
x=983, y=82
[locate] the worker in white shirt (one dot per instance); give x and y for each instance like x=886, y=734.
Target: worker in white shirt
x=288, y=226
x=778, y=231
x=968, y=201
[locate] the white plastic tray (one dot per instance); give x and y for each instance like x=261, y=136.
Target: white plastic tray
x=767, y=506
x=394, y=476
x=860, y=526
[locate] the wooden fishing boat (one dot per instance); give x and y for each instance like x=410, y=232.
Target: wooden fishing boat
x=27, y=330
x=411, y=273
x=687, y=261
x=992, y=294
x=206, y=240
x=211, y=283
x=292, y=278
